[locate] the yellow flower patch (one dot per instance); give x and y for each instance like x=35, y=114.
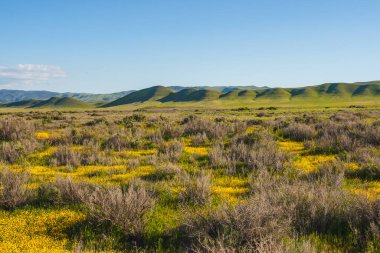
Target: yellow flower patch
x=138, y=172
x=229, y=194
x=42, y=135
x=137, y=152
x=36, y=231
x=370, y=190
x=48, y=152
x=250, y=129
x=231, y=181
x=310, y=163
x=196, y=150
x=291, y=146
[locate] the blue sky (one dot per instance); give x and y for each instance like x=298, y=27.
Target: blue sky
x=109, y=46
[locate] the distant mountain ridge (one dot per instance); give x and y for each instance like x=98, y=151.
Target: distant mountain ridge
x=176, y=94
x=327, y=91
x=9, y=96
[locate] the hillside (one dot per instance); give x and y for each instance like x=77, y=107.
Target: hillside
x=57, y=102
x=362, y=91
x=149, y=94
x=188, y=95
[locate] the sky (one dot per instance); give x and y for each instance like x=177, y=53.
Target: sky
x=103, y=46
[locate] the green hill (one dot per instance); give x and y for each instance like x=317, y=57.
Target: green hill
x=367, y=90
x=188, y=95
x=149, y=94
x=304, y=93
x=57, y=102
x=239, y=94
x=274, y=94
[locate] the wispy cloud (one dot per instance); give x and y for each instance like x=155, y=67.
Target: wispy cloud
x=29, y=74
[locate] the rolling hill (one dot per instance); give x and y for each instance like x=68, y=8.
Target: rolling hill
x=149, y=94
x=57, y=102
x=363, y=91
x=187, y=95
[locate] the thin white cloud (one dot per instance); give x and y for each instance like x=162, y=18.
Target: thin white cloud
x=29, y=74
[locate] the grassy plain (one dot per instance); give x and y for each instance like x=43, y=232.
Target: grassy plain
x=193, y=162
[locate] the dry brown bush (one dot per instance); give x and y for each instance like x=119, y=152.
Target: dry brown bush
x=299, y=132
x=15, y=130
x=70, y=192
x=197, y=189
x=122, y=208
x=65, y=156
x=13, y=189
x=282, y=208
x=170, y=151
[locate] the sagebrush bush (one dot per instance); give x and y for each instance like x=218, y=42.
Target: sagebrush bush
x=13, y=189
x=65, y=156
x=122, y=208
x=299, y=132
x=280, y=209
x=69, y=192
x=15, y=130
x=197, y=188
x=170, y=151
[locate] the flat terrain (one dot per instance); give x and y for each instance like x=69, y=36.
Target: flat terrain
x=272, y=177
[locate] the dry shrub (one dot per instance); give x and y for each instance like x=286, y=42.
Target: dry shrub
x=199, y=139
x=11, y=152
x=299, y=132
x=65, y=156
x=195, y=125
x=197, y=189
x=122, y=208
x=117, y=143
x=166, y=171
x=170, y=130
x=13, y=189
x=70, y=192
x=257, y=151
x=15, y=130
x=133, y=163
x=340, y=136
x=156, y=137
x=170, y=151
x=282, y=209
x=369, y=162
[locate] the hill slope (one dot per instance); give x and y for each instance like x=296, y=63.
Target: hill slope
x=192, y=94
x=149, y=94
x=57, y=102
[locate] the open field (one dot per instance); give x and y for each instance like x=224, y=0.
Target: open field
x=278, y=178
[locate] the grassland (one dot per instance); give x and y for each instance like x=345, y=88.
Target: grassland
x=263, y=178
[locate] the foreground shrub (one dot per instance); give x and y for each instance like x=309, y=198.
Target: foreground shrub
x=255, y=152
x=282, y=209
x=15, y=130
x=299, y=132
x=65, y=156
x=122, y=208
x=170, y=151
x=13, y=189
x=196, y=189
x=65, y=191
x=11, y=152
